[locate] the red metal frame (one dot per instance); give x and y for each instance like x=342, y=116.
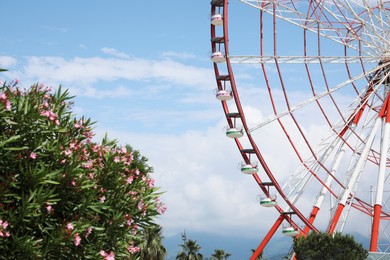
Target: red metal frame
x=222, y=42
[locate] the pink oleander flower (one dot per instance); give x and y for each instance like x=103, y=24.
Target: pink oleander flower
x=69, y=226
x=49, y=208
x=3, y=226
x=6, y=234
x=8, y=105
x=149, y=181
x=134, y=249
x=111, y=256
x=161, y=209
x=102, y=199
x=107, y=256
x=129, y=180
x=87, y=165
x=67, y=152
x=89, y=231
x=88, y=134
x=33, y=155
x=5, y=101
x=77, y=239
x=140, y=205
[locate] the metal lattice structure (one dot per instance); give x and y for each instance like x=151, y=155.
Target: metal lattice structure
x=322, y=65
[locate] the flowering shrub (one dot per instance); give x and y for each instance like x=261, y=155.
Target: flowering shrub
x=63, y=196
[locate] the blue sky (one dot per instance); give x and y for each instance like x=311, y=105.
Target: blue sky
x=142, y=70
x=97, y=34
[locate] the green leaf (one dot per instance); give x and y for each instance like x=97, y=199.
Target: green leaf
x=16, y=148
x=9, y=121
x=98, y=228
x=32, y=195
x=49, y=182
x=10, y=140
x=95, y=208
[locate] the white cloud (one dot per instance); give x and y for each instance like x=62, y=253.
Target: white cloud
x=205, y=190
x=180, y=55
x=115, y=53
x=113, y=92
x=7, y=61
x=82, y=72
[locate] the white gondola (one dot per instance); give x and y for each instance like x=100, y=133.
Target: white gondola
x=290, y=231
x=217, y=2
x=234, y=132
x=218, y=57
x=224, y=95
x=217, y=20
x=248, y=169
x=268, y=202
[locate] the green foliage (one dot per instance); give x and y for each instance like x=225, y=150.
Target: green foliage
x=190, y=251
x=220, y=254
x=63, y=196
x=322, y=246
x=151, y=247
x=260, y=257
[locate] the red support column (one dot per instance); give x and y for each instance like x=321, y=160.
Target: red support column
x=336, y=218
x=375, y=228
x=267, y=238
x=382, y=166
x=311, y=219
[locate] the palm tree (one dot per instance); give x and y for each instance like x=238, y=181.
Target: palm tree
x=220, y=254
x=260, y=257
x=152, y=247
x=190, y=251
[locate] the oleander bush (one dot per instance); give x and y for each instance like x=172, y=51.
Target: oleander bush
x=62, y=195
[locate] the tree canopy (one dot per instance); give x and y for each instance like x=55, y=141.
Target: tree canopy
x=190, y=251
x=220, y=254
x=323, y=246
x=62, y=195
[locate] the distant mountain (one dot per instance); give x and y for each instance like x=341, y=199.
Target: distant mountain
x=238, y=247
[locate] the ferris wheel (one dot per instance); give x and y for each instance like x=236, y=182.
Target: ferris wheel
x=305, y=87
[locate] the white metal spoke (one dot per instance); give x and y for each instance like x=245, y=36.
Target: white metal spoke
x=371, y=31
x=341, y=21
x=317, y=97
x=293, y=16
x=305, y=59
